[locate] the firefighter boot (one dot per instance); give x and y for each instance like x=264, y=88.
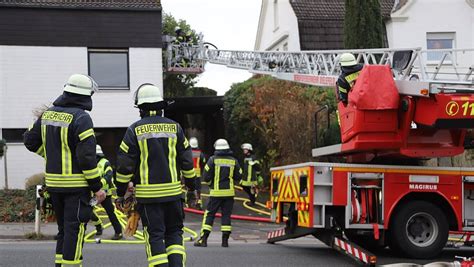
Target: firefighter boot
x=202, y=241
x=98, y=229
x=225, y=239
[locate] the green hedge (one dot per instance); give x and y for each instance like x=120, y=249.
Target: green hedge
x=17, y=205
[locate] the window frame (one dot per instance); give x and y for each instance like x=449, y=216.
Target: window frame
x=110, y=51
x=430, y=36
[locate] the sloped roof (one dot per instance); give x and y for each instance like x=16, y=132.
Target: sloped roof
x=321, y=22
x=330, y=9
x=86, y=4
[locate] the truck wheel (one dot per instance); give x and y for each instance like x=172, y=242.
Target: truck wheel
x=419, y=230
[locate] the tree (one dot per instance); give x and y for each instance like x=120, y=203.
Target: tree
x=176, y=84
x=363, y=24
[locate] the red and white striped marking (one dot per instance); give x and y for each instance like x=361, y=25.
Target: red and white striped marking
x=277, y=233
x=359, y=254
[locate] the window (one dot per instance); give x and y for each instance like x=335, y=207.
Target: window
x=13, y=135
x=275, y=15
x=109, y=68
x=439, y=41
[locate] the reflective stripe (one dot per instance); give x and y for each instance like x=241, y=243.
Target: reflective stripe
x=226, y=228
x=124, y=147
x=177, y=249
x=189, y=173
x=66, y=263
x=147, y=242
x=158, y=190
x=86, y=134
x=224, y=162
x=352, y=77
x=222, y=193
x=157, y=260
x=156, y=135
x=40, y=151
x=43, y=138
x=66, y=157
x=172, y=158
x=186, y=143
x=216, y=178
x=58, y=258
x=143, y=161
x=207, y=168
x=80, y=236
x=342, y=89
x=65, y=180
x=91, y=174
x=123, y=178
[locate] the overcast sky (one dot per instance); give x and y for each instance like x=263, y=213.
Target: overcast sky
x=229, y=24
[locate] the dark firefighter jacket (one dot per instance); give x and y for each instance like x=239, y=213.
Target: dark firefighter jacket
x=346, y=80
x=151, y=155
x=251, y=171
x=222, y=170
x=64, y=137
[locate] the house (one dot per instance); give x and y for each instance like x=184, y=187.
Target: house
x=294, y=25
x=318, y=24
x=117, y=42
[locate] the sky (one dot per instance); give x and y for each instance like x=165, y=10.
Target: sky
x=228, y=24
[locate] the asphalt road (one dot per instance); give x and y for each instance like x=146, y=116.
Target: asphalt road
x=41, y=253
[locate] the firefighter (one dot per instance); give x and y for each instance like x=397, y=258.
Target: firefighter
x=221, y=172
x=64, y=136
x=350, y=70
x=150, y=155
x=199, y=161
x=251, y=177
x=106, y=174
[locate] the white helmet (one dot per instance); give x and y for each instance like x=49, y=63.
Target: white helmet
x=147, y=93
x=347, y=59
x=193, y=142
x=221, y=144
x=81, y=84
x=247, y=146
x=98, y=149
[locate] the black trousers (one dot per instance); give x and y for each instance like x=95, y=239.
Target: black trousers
x=72, y=212
x=248, y=190
x=110, y=210
x=163, y=233
x=225, y=204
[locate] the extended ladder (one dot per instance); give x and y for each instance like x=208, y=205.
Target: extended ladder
x=413, y=69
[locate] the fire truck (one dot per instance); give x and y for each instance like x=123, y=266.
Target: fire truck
x=407, y=106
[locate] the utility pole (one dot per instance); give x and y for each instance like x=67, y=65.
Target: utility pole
x=5, y=166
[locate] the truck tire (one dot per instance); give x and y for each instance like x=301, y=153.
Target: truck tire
x=419, y=230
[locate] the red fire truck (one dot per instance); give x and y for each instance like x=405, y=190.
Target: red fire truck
x=402, y=111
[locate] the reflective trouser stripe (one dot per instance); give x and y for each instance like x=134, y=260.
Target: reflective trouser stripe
x=143, y=161
x=80, y=240
x=177, y=249
x=66, y=263
x=147, y=242
x=66, y=157
x=226, y=228
x=204, y=225
x=58, y=258
x=157, y=259
x=172, y=159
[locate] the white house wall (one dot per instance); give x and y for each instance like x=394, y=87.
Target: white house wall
x=409, y=26
x=271, y=38
x=32, y=76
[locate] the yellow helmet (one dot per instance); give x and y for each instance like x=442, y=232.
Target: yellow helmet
x=148, y=93
x=81, y=84
x=347, y=59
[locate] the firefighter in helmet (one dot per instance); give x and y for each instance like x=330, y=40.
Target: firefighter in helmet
x=153, y=153
x=106, y=173
x=64, y=135
x=252, y=169
x=350, y=70
x=221, y=172
x=199, y=161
